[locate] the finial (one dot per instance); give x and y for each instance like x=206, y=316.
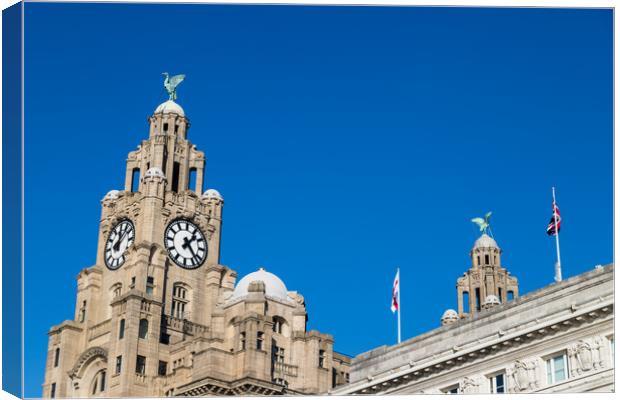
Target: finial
x=483, y=223
x=171, y=83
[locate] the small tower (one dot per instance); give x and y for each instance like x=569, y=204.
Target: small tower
x=484, y=278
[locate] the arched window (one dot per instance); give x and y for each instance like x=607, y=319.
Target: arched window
x=98, y=383
x=143, y=328
x=180, y=296
x=278, y=324
x=135, y=179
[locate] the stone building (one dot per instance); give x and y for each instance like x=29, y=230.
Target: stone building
x=557, y=339
x=158, y=315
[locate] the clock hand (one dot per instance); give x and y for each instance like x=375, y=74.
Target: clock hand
x=117, y=245
x=187, y=243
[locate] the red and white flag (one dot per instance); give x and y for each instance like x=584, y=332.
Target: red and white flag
x=395, y=290
x=551, y=226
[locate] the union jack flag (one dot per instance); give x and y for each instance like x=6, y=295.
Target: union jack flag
x=551, y=226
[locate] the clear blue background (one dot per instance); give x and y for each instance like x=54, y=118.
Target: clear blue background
x=346, y=141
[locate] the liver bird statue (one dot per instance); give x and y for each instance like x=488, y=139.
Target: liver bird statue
x=171, y=83
x=483, y=223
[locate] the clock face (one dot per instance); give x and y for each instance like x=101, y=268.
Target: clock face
x=186, y=244
x=117, y=244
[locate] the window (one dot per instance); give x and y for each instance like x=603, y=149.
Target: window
x=278, y=323
x=176, y=128
x=143, y=329
x=83, y=312
x=165, y=127
x=179, y=291
x=499, y=292
x=175, y=176
x=53, y=390
x=478, y=257
x=162, y=368
x=321, y=358
x=98, y=384
x=486, y=259
x=278, y=354
x=140, y=365
x=497, y=383
x=242, y=341
x=133, y=282
x=179, y=301
x=260, y=337
x=102, y=381
x=56, y=356
x=135, y=179
x=150, y=284
x=510, y=295
x=451, y=390
x=119, y=363
x=164, y=338
x=557, y=370
x=478, y=299
x=121, y=329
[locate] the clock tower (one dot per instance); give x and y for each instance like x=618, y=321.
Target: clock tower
x=159, y=315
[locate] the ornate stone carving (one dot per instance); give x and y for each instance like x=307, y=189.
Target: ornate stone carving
x=585, y=355
x=522, y=376
x=85, y=357
x=469, y=385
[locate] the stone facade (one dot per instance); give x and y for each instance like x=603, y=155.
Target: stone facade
x=557, y=339
x=158, y=315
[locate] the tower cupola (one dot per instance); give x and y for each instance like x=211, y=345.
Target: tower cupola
x=486, y=283
x=169, y=119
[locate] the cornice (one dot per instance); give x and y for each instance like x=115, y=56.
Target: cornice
x=415, y=370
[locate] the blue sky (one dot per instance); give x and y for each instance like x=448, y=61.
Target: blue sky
x=346, y=141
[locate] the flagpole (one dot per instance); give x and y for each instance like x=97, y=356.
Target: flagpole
x=399, y=304
x=558, y=264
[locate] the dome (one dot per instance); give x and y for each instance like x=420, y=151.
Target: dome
x=170, y=107
x=449, y=316
x=274, y=287
x=112, y=195
x=212, y=194
x=485, y=241
x=155, y=172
